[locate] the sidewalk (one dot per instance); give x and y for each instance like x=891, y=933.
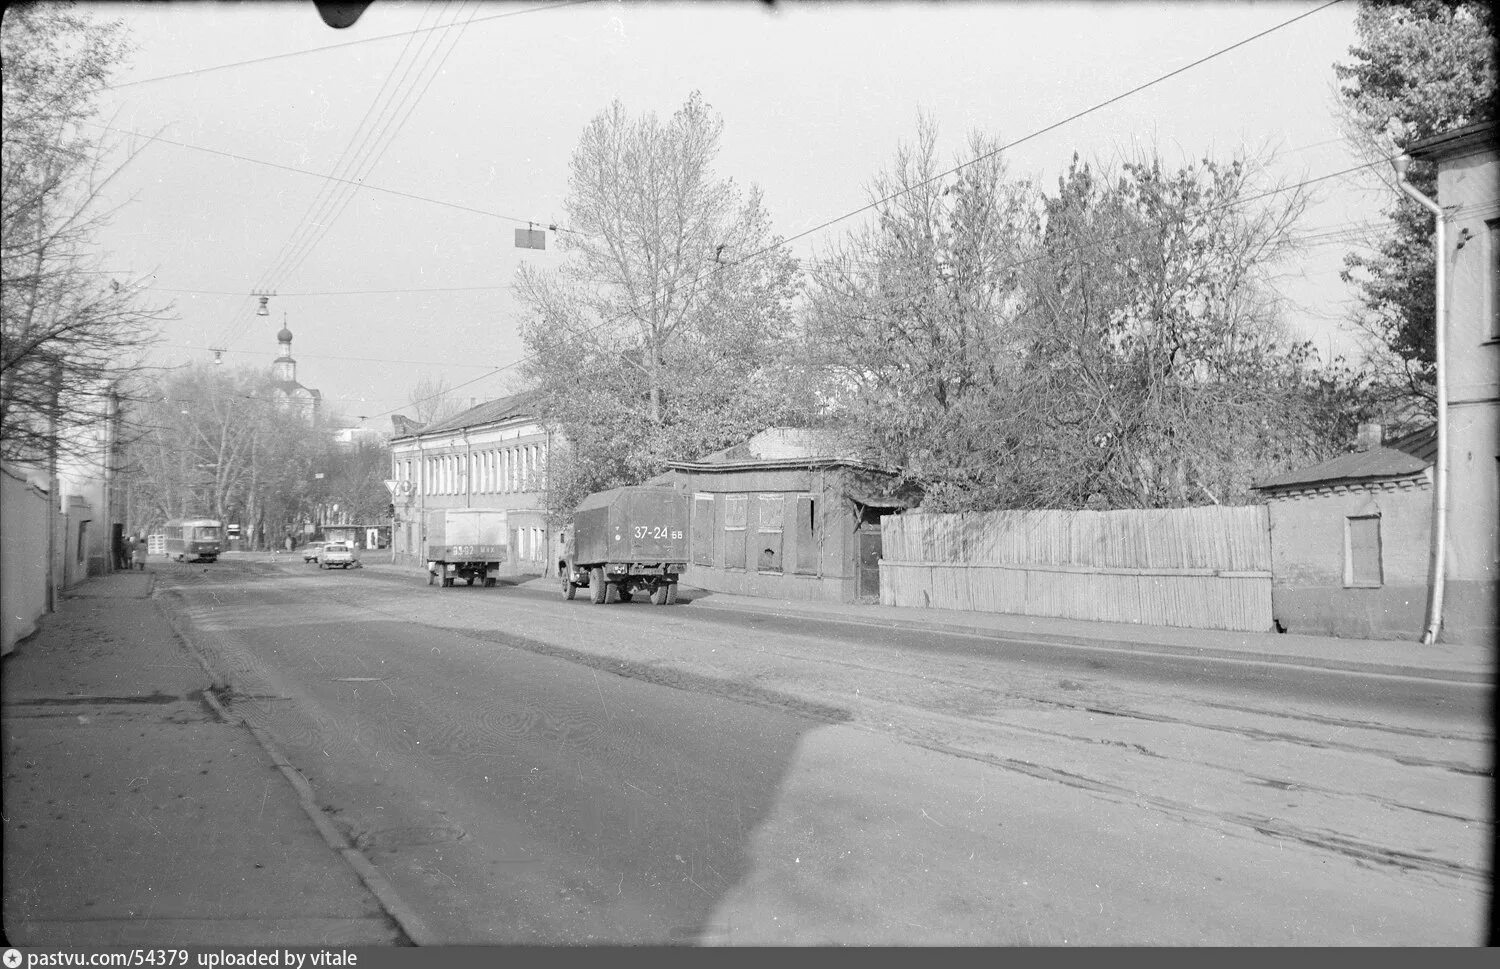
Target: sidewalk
x=136, y=816
x=1446, y=662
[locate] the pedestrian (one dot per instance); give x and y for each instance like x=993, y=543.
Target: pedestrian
x=141, y=550
x=127, y=553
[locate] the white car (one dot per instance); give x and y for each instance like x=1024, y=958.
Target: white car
x=342, y=554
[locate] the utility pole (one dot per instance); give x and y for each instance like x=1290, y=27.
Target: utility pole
x=54, y=487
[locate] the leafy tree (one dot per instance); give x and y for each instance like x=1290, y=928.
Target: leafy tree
x=911, y=319
x=1420, y=68
x=659, y=337
x=1114, y=345
x=70, y=332
x=1158, y=372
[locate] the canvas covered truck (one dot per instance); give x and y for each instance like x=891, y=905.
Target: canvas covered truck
x=628, y=540
x=466, y=543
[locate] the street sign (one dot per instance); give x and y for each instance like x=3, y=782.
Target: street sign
x=531, y=239
x=392, y=486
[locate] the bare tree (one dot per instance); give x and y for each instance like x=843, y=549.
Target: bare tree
x=70, y=332
x=432, y=399
x=221, y=442
x=659, y=337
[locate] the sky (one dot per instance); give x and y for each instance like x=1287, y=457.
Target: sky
x=229, y=118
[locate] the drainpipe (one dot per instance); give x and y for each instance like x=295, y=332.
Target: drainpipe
x=1439, y=563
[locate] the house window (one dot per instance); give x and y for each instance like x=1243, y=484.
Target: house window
x=805, y=532
x=770, y=511
x=734, y=531
x=1362, y=552
x=703, y=529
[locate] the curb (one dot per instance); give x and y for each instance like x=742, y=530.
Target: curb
x=1097, y=643
x=395, y=908
x=1138, y=647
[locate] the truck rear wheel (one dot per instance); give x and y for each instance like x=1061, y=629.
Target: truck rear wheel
x=569, y=589
x=671, y=595
x=659, y=594
x=597, y=587
x=611, y=593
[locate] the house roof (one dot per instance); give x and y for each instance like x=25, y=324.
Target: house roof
x=489, y=412
x=1401, y=458
x=1470, y=137
x=778, y=447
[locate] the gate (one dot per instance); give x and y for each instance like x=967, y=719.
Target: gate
x=867, y=562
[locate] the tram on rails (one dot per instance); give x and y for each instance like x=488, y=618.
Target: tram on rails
x=194, y=539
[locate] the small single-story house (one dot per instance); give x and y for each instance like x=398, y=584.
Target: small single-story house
x=786, y=515
x=1351, y=540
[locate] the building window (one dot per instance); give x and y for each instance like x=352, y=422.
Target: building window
x=734, y=531
x=770, y=511
x=1362, y=552
x=703, y=529
x=805, y=530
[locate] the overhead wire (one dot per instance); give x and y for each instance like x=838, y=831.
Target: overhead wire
x=380, y=137
x=878, y=202
x=324, y=175
x=973, y=161
x=560, y=4
x=362, y=153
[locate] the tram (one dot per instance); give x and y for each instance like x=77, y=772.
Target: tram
x=194, y=539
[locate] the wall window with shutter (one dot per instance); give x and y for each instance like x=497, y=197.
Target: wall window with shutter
x=770, y=515
x=703, y=529
x=1362, y=568
x=805, y=534
x=734, y=530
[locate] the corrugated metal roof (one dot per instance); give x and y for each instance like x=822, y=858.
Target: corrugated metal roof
x=1405, y=456
x=489, y=412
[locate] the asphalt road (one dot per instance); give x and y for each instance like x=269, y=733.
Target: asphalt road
x=525, y=769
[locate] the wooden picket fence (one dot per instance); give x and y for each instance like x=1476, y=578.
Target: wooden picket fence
x=1205, y=568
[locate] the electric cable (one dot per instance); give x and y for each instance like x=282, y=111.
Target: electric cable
x=327, y=47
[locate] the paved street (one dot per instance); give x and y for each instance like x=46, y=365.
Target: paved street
x=525, y=769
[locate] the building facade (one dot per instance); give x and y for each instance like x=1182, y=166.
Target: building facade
x=492, y=455
x=1468, y=191
x=786, y=516
x=1350, y=540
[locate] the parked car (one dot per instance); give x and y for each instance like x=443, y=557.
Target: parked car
x=310, y=552
x=341, y=554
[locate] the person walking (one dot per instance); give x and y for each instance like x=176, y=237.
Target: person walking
x=141, y=551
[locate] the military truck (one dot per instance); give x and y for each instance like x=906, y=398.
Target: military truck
x=628, y=540
x=466, y=543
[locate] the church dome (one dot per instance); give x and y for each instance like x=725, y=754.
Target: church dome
x=285, y=336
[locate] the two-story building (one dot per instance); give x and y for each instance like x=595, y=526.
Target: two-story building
x=492, y=455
